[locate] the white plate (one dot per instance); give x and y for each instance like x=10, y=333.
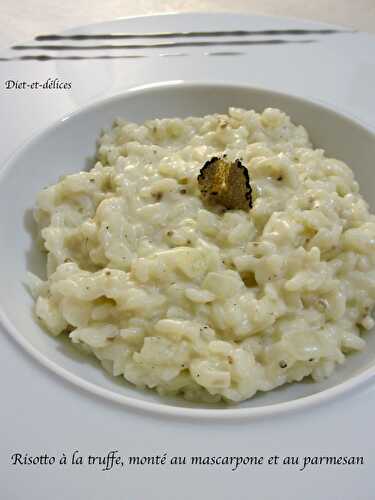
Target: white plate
x=336, y=69
x=55, y=152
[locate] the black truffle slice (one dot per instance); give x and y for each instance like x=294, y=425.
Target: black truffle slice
x=225, y=183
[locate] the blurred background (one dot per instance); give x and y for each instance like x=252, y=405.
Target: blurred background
x=23, y=19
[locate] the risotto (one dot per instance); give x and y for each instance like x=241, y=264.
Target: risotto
x=191, y=298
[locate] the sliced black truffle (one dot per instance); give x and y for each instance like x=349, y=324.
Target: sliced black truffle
x=225, y=183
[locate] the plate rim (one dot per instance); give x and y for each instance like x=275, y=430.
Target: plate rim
x=223, y=13
x=197, y=13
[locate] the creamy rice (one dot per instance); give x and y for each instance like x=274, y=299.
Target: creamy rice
x=187, y=298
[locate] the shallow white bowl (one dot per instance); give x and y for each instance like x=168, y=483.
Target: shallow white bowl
x=68, y=146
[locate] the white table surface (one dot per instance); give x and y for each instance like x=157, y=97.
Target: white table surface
x=37, y=429
x=22, y=19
